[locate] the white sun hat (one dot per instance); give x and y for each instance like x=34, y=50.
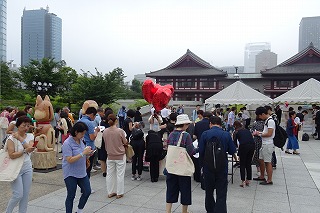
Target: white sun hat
x=183, y=119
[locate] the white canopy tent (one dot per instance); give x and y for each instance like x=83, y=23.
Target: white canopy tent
x=307, y=92
x=239, y=93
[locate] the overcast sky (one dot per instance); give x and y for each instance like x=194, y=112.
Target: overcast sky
x=147, y=35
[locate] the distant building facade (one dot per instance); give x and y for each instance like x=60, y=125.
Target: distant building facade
x=250, y=53
x=194, y=79
x=265, y=60
x=3, y=30
x=140, y=77
x=232, y=69
x=41, y=36
x=309, y=31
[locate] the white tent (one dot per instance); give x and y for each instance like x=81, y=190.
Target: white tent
x=307, y=92
x=238, y=93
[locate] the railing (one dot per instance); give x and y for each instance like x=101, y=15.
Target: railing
x=205, y=89
x=277, y=88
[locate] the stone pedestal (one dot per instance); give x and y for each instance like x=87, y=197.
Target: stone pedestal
x=44, y=160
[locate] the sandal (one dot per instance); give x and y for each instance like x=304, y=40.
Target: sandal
x=259, y=179
x=112, y=195
x=119, y=196
x=287, y=152
x=296, y=153
x=247, y=182
x=243, y=184
x=266, y=183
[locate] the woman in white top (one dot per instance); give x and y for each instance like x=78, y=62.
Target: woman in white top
x=18, y=147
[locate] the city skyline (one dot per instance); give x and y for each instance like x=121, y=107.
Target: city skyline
x=144, y=36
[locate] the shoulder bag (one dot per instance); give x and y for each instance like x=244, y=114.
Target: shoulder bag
x=129, y=151
x=10, y=168
x=178, y=160
x=98, y=140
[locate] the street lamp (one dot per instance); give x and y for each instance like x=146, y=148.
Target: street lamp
x=236, y=75
x=41, y=87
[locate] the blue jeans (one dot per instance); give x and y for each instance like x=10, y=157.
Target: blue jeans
x=218, y=182
x=20, y=189
x=292, y=142
x=71, y=184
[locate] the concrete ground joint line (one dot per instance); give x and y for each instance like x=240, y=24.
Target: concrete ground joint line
x=285, y=180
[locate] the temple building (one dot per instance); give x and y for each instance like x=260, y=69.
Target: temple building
x=194, y=79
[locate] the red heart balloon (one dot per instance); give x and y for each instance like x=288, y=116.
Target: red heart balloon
x=156, y=94
x=161, y=98
x=148, y=90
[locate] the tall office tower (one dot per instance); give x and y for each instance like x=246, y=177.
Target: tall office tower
x=265, y=60
x=3, y=30
x=251, y=50
x=41, y=35
x=309, y=31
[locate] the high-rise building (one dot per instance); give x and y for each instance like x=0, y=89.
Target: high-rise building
x=309, y=31
x=41, y=35
x=3, y=30
x=265, y=60
x=251, y=50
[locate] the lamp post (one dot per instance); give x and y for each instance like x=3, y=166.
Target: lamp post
x=236, y=75
x=41, y=87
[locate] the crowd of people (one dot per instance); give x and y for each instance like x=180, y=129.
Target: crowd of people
x=249, y=143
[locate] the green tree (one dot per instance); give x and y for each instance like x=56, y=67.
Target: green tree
x=104, y=89
x=7, y=81
x=136, y=86
x=48, y=71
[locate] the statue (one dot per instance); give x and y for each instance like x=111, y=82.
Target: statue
x=45, y=156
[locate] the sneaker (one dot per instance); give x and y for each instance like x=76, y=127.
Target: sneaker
x=92, y=191
x=258, y=174
x=138, y=178
x=93, y=170
x=96, y=167
x=133, y=177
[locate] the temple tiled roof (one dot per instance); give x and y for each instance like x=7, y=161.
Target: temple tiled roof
x=293, y=66
x=199, y=67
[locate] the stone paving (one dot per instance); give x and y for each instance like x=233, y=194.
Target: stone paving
x=295, y=190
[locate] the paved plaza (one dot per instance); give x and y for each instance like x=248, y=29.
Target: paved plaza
x=296, y=190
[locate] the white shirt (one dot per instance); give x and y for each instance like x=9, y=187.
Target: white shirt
x=165, y=113
x=271, y=125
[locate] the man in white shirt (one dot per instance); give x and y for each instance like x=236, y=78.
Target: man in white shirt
x=231, y=117
x=265, y=154
x=165, y=112
x=194, y=115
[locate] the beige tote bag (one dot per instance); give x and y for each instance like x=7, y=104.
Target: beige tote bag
x=10, y=168
x=178, y=161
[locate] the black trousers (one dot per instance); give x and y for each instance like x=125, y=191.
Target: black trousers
x=246, y=153
x=137, y=159
x=248, y=120
x=318, y=130
x=154, y=168
x=197, y=171
x=219, y=183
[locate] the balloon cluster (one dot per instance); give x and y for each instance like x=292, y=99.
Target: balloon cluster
x=157, y=95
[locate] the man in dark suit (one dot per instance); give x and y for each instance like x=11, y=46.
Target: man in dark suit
x=199, y=128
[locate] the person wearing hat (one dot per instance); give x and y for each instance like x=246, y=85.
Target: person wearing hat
x=176, y=183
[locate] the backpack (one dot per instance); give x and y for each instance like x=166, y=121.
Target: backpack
x=305, y=137
x=215, y=157
x=280, y=136
x=154, y=146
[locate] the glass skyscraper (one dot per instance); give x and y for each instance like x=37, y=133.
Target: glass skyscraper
x=41, y=36
x=3, y=30
x=309, y=31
